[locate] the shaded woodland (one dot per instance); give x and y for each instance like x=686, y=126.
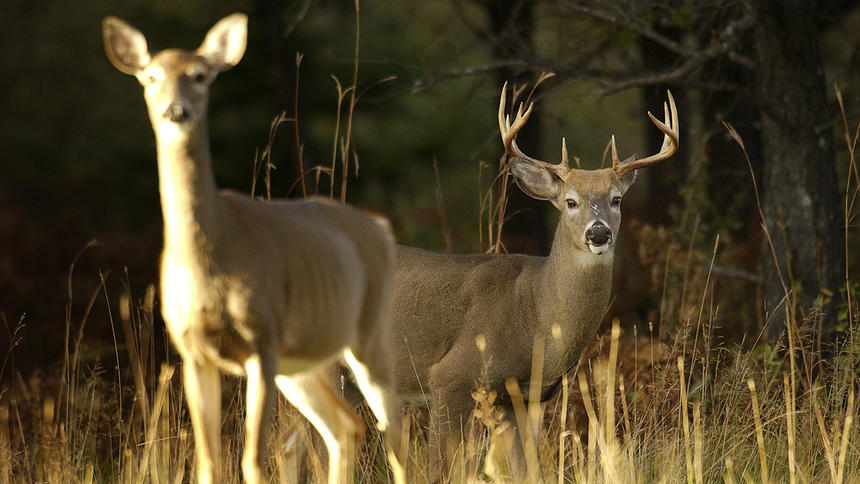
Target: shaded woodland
x=79, y=162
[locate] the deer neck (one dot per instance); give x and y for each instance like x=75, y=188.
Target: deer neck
x=187, y=187
x=574, y=286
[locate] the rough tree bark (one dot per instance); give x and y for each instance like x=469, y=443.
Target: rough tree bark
x=801, y=205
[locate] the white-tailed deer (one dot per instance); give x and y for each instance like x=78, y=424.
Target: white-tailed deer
x=443, y=302
x=272, y=291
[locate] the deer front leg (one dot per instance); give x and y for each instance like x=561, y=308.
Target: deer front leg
x=259, y=400
x=383, y=404
x=450, y=414
x=312, y=394
x=202, y=384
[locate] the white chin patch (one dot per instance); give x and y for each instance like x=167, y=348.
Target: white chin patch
x=170, y=130
x=597, y=250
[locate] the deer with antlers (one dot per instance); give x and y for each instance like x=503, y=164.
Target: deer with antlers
x=444, y=303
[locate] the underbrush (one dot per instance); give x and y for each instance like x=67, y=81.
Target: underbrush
x=639, y=410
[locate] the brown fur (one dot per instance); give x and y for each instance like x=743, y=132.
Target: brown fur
x=271, y=291
x=443, y=302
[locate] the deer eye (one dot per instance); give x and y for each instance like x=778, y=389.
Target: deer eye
x=198, y=77
x=149, y=78
x=616, y=201
x=197, y=74
x=571, y=203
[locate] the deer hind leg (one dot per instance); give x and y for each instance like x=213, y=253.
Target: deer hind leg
x=203, y=392
x=451, y=410
x=259, y=401
x=385, y=408
x=312, y=394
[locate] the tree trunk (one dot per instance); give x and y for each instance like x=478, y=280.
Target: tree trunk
x=512, y=24
x=662, y=185
x=725, y=175
x=801, y=204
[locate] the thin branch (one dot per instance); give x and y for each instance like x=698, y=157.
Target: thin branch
x=300, y=147
x=300, y=16
x=626, y=22
x=692, y=64
x=693, y=59
x=424, y=83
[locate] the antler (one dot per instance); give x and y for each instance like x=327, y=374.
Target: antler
x=509, y=133
x=670, y=141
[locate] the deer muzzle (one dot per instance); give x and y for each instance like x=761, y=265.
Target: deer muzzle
x=598, y=234
x=176, y=112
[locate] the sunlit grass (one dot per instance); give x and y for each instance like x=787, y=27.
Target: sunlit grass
x=638, y=410
x=747, y=424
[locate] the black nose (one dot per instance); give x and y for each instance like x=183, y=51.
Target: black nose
x=598, y=234
x=176, y=112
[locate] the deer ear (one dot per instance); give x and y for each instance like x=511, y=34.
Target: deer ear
x=225, y=42
x=125, y=46
x=535, y=180
x=628, y=178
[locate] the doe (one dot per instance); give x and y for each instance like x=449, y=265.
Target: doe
x=274, y=291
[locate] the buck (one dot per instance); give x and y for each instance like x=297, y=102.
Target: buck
x=271, y=291
x=443, y=302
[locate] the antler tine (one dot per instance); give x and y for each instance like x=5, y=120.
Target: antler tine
x=510, y=130
x=564, y=160
x=616, y=163
x=671, y=140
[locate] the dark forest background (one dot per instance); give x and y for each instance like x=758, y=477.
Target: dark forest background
x=78, y=154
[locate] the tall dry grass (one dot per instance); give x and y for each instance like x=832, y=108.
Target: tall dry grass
x=640, y=409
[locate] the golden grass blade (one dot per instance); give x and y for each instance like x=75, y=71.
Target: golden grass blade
x=609, y=402
x=88, y=474
x=789, y=417
x=521, y=414
x=846, y=432
x=698, y=443
x=729, y=475
x=6, y=446
x=593, y=427
x=608, y=452
x=759, y=433
x=182, y=454
x=152, y=427
x=535, y=384
x=564, y=433
x=629, y=443
x=822, y=428
x=685, y=422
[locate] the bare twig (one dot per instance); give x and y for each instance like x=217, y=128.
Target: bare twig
x=695, y=60
x=341, y=94
x=300, y=147
x=351, y=108
x=440, y=207
x=515, y=64
x=264, y=159
x=300, y=16
x=623, y=20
